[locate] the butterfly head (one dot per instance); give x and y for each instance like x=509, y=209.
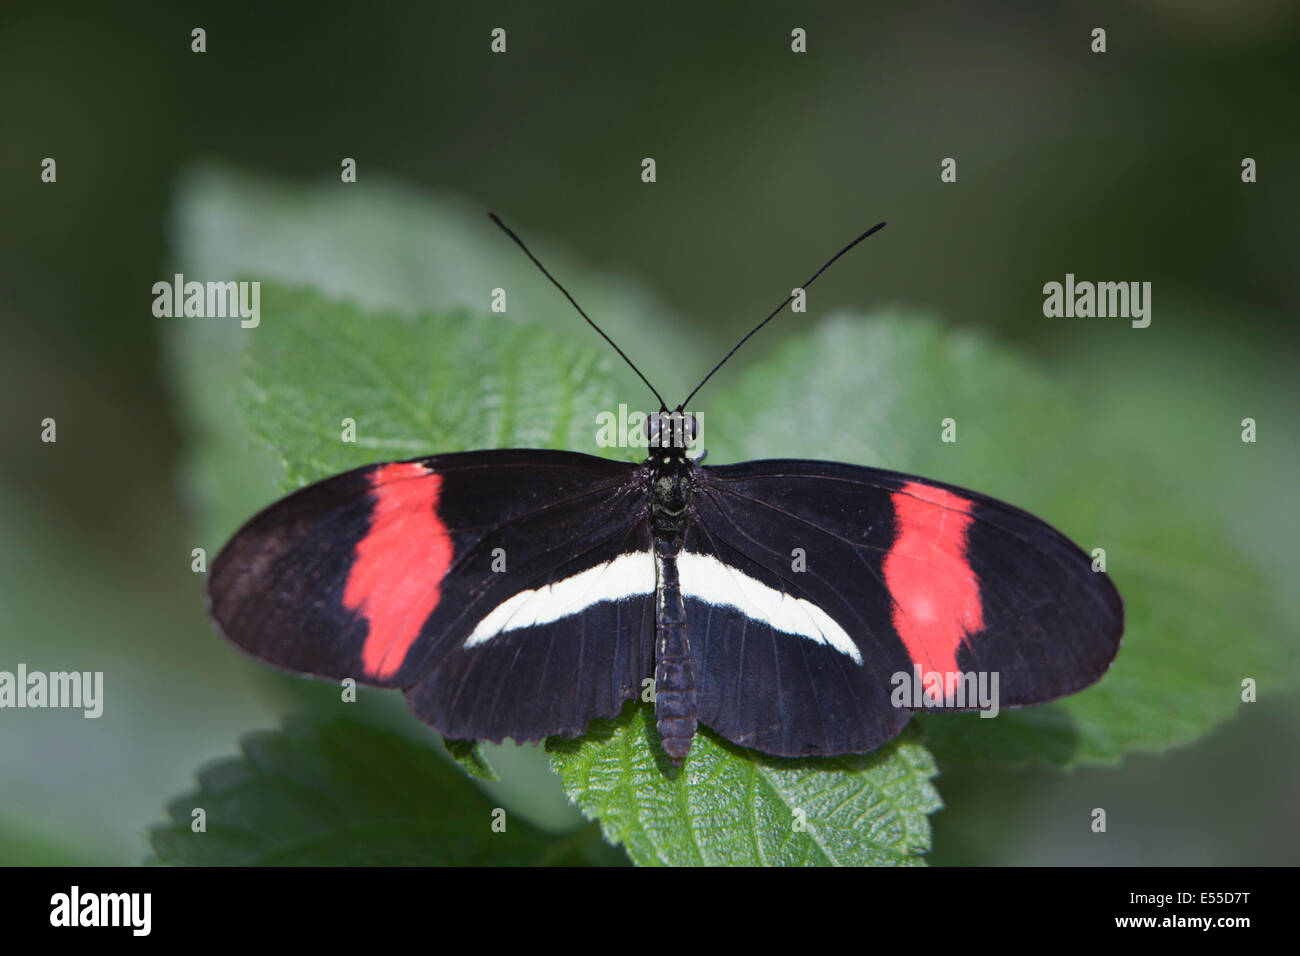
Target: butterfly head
x=672, y=432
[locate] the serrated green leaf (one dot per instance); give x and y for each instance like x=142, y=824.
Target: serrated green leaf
x=1199, y=617
x=730, y=806
x=344, y=793
x=330, y=387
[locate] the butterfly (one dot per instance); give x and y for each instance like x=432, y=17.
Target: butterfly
x=798, y=608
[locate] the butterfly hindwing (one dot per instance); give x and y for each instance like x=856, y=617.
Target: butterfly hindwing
x=419, y=575
x=542, y=680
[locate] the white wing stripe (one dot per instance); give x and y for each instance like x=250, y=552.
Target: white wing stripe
x=702, y=576
x=623, y=577
x=707, y=579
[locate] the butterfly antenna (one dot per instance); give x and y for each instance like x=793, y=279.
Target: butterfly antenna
x=874, y=229
x=510, y=232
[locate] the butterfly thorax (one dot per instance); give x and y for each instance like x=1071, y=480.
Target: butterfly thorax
x=672, y=479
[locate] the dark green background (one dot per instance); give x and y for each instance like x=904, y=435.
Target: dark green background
x=1122, y=166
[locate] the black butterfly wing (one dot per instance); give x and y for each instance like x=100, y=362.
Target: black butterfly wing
x=386, y=574
x=911, y=574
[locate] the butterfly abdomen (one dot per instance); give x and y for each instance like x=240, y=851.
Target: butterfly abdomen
x=676, y=707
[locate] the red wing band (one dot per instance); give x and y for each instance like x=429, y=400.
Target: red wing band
x=936, y=593
x=396, y=580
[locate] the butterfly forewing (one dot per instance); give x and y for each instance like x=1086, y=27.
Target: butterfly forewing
x=919, y=575
x=389, y=574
